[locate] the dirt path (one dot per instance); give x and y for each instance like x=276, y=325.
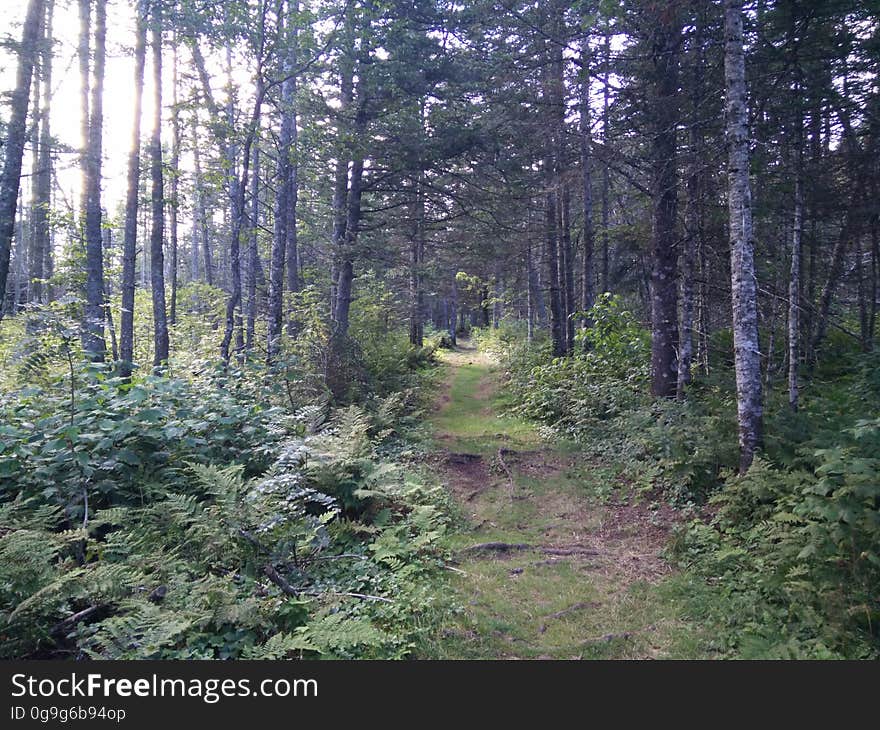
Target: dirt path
x=545, y=569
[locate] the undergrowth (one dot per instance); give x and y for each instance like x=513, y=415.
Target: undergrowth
x=780, y=562
x=232, y=513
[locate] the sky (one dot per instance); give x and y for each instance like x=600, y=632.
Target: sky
x=66, y=115
x=118, y=94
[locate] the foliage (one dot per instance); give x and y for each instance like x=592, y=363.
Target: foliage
x=598, y=396
x=228, y=513
x=788, y=551
x=323, y=551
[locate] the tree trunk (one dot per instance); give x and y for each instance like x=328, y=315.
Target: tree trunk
x=664, y=246
x=42, y=184
x=417, y=253
x=747, y=356
x=157, y=254
x=343, y=156
x=453, y=310
x=346, y=268
x=175, y=184
x=850, y=230
x=93, y=326
x=15, y=138
x=253, y=253
x=292, y=246
x=536, y=296
x=284, y=205
x=794, y=281
x=567, y=273
x=129, y=244
x=588, y=286
x=556, y=328
x=606, y=177
x=233, y=303
x=875, y=265
x=200, y=214
x=352, y=219
x=693, y=218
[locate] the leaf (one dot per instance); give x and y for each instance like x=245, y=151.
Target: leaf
x=127, y=456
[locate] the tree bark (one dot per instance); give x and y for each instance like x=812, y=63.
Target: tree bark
x=93, y=326
x=417, y=254
x=292, y=245
x=285, y=204
x=693, y=218
x=200, y=214
x=175, y=184
x=350, y=228
x=556, y=327
x=253, y=252
x=129, y=244
x=606, y=176
x=747, y=357
x=343, y=156
x=588, y=273
x=664, y=246
x=567, y=273
x=794, y=280
x=15, y=138
x=42, y=185
x=157, y=254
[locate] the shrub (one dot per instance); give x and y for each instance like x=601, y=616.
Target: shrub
x=322, y=551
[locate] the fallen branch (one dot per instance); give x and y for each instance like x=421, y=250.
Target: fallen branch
x=498, y=547
x=569, y=551
x=72, y=620
x=279, y=581
x=565, y=611
x=362, y=596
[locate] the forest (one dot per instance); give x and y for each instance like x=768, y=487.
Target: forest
x=434, y=329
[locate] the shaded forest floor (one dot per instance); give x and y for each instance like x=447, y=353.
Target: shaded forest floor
x=553, y=560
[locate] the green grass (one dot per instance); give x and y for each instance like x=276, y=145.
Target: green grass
x=528, y=604
x=474, y=423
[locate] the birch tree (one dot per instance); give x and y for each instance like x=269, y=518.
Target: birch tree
x=747, y=357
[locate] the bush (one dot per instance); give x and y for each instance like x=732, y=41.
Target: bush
x=203, y=546
x=800, y=549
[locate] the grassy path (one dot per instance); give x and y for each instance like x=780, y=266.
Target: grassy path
x=545, y=568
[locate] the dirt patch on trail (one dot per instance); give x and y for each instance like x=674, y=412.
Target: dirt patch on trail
x=625, y=542
x=484, y=392
x=466, y=474
x=535, y=464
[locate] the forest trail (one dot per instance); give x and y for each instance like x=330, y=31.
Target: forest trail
x=545, y=568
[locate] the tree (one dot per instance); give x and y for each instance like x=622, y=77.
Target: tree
x=747, y=356
x=284, y=234
x=665, y=40
x=93, y=325
x=157, y=198
x=588, y=273
x=175, y=182
x=11, y=179
x=42, y=184
x=129, y=245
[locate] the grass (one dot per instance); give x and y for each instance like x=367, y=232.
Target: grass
x=528, y=603
x=470, y=417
